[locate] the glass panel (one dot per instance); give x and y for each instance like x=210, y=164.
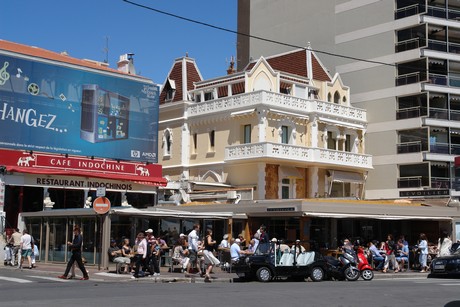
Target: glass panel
x=88, y=227
x=57, y=242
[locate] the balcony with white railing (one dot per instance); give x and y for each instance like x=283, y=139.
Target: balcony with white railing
x=303, y=107
x=300, y=155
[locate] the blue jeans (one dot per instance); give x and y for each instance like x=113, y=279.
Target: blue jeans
x=380, y=260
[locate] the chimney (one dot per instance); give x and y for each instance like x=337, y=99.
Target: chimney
x=126, y=64
x=231, y=68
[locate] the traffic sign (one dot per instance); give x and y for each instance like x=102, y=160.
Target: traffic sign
x=101, y=205
x=100, y=192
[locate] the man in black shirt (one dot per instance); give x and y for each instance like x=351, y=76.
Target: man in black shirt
x=75, y=247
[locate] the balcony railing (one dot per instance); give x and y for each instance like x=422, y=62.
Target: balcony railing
x=413, y=182
x=410, y=44
x=409, y=11
x=279, y=101
x=299, y=154
x=409, y=147
x=440, y=183
x=411, y=112
x=410, y=78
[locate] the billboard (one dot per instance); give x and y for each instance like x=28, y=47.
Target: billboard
x=60, y=109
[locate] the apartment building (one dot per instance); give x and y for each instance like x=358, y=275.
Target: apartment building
x=403, y=69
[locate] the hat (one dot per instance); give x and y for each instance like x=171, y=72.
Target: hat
x=225, y=236
x=274, y=240
x=149, y=230
x=237, y=241
x=113, y=241
x=181, y=235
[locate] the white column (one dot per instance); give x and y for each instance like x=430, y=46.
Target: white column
x=262, y=124
x=185, y=152
x=313, y=183
x=261, y=181
x=314, y=133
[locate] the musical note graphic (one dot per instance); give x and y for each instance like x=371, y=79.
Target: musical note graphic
x=4, y=75
x=18, y=75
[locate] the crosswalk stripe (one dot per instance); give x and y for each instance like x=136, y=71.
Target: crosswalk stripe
x=50, y=278
x=18, y=280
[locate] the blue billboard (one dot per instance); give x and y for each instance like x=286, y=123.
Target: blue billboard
x=76, y=111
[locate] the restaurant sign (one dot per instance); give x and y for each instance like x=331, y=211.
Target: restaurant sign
x=423, y=193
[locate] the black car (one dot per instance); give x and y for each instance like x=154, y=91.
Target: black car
x=447, y=266
x=269, y=262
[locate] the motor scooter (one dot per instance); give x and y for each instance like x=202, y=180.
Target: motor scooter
x=363, y=265
x=344, y=267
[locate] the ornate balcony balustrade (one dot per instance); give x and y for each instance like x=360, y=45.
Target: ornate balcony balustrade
x=303, y=107
x=297, y=154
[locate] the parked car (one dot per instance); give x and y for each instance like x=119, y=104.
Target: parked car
x=447, y=266
x=269, y=262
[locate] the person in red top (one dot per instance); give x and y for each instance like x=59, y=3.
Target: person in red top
x=390, y=248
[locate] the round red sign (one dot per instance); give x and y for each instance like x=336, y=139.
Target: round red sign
x=101, y=205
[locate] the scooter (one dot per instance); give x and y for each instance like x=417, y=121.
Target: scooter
x=363, y=265
x=343, y=268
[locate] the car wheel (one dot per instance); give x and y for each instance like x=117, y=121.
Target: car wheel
x=351, y=273
x=264, y=274
x=317, y=274
x=367, y=275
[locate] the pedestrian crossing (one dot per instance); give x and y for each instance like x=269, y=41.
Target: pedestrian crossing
x=25, y=279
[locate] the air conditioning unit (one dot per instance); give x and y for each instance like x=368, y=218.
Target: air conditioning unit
x=231, y=195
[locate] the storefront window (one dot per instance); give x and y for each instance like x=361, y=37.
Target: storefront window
x=57, y=239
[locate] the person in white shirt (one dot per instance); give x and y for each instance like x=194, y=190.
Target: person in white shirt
x=224, y=243
x=444, y=244
x=193, y=249
x=26, y=248
x=235, y=250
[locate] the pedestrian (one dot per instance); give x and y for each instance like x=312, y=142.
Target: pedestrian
x=140, y=249
x=423, y=248
x=193, y=249
x=444, y=244
x=75, y=248
x=26, y=248
x=16, y=241
x=209, y=259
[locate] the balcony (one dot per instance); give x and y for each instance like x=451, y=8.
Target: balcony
x=413, y=182
x=300, y=155
x=434, y=11
x=409, y=147
x=282, y=102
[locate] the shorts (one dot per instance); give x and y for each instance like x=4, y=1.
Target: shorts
x=192, y=256
x=26, y=253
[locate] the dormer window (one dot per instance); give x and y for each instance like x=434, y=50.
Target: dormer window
x=208, y=96
x=170, y=89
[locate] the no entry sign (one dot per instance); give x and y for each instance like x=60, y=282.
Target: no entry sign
x=101, y=205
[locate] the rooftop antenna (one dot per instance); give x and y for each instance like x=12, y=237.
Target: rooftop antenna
x=106, y=50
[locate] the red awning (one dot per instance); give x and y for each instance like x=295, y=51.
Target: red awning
x=151, y=181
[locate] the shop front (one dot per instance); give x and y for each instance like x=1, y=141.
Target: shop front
x=53, y=228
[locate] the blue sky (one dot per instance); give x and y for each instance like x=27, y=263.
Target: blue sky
x=81, y=27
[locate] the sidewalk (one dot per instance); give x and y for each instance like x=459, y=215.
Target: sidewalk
x=218, y=275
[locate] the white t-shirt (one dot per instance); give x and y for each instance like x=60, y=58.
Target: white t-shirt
x=193, y=240
x=235, y=251
x=224, y=243
x=25, y=241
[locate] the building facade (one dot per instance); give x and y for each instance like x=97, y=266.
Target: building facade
x=403, y=72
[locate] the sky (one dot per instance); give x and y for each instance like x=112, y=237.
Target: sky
x=81, y=28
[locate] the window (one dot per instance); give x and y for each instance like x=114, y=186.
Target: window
x=285, y=134
x=247, y=134
x=208, y=96
x=167, y=142
x=195, y=139
x=331, y=142
x=336, y=97
x=211, y=139
x=170, y=94
x=348, y=143
x=285, y=188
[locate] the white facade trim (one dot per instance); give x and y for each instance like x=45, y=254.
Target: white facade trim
x=353, y=4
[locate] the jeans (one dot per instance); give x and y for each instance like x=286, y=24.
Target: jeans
x=380, y=260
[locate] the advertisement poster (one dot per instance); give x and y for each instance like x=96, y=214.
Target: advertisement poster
x=59, y=109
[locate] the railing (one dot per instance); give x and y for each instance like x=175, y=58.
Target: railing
x=278, y=101
x=298, y=154
x=413, y=182
x=409, y=44
x=437, y=45
x=440, y=183
x=439, y=113
x=409, y=11
x=410, y=78
x=454, y=81
x=433, y=11
x=410, y=147
x=442, y=148
x=411, y=112
x=454, y=48
x=437, y=79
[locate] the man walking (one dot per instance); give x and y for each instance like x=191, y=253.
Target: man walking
x=193, y=249
x=26, y=248
x=16, y=241
x=75, y=247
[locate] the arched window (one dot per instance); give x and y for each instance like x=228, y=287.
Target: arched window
x=336, y=97
x=329, y=97
x=167, y=142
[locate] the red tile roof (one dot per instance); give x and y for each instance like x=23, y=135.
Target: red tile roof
x=295, y=62
x=192, y=75
x=54, y=56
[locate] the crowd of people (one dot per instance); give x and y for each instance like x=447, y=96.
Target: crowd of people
x=20, y=246
x=394, y=255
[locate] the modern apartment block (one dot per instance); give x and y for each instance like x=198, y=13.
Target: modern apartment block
x=403, y=68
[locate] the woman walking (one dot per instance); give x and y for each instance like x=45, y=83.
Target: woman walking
x=444, y=244
x=140, y=253
x=423, y=248
x=209, y=257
